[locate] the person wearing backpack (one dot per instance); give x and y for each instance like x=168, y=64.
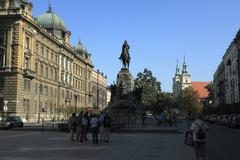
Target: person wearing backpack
x=199, y=128
x=106, y=126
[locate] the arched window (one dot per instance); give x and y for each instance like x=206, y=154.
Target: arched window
x=1, y=58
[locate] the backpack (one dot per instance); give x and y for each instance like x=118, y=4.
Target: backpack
x=200, y=133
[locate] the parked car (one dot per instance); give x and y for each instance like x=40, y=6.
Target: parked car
x=213, y=118
x=12, y=122
x=235, y=122
x=224, y=120
x=219, y=119
x=230, y=120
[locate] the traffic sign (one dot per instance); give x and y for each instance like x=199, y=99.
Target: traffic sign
x=5, y=108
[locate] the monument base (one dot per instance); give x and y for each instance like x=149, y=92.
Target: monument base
x=125, y=80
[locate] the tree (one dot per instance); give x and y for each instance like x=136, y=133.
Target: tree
x=210, y=88
x=151, y=88
x=165, y=102
x=188, y=102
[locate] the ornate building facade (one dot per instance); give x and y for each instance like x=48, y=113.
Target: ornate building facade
x=99, y=88
x=41, y=74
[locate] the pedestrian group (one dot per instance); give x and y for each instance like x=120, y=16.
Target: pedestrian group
x=83, y=122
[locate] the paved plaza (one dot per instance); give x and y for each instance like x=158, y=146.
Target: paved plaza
x=28, y=145
x=52, y=145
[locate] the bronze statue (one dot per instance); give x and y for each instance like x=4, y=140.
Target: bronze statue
x=125, y=56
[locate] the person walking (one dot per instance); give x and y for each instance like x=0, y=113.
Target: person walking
x=100, y=125
x=84, y=128
x=79, y=126
x=72, y=126
x=199, y=128
x=106, y=125
x=94, y=128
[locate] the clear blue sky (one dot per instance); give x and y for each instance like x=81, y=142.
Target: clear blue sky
x=158, y=32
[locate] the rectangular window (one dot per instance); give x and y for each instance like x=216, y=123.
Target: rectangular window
x=27, y=85
x=62, y=93
x=1, y=83
x=62, y=77
x=46, y=90
x=41, y=89
x=56, y=94
x=27, y=42
x=56, y=58
x=42, y=51
x=26, y=62
x=66, y=65
x=2, y=58
x=46, y=72
x=67, y=94
x=41, y=70
x=47, y=53
x=51, y=92
x=2, y=37
x=52, y=56
x=51, y=74
x=56, y=75
x=62, y=62
x=36, y=67
x=66, y=79
x=37, y=48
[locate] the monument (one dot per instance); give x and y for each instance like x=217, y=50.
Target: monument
x=125, y=104
x=124, y=78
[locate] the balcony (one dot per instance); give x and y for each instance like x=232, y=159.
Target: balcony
x=29, y=74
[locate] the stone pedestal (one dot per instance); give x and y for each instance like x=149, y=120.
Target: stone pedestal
x=125, y=81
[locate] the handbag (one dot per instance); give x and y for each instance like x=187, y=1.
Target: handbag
x=189, y=138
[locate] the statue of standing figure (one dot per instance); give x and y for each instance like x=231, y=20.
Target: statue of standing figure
x=125, y=56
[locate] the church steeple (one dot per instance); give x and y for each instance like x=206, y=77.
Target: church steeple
x=184, y=66
x=177, y=70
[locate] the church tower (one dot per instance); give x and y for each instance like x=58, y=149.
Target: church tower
x=181, y=80
x=185, y=78
x=176, y=82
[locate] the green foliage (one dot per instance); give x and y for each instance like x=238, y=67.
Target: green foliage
x=151, y=88
x=165, y=102
x=210, y=88
x=188, y=102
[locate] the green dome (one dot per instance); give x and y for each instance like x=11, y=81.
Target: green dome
x=50, y=20
x=80, y=48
